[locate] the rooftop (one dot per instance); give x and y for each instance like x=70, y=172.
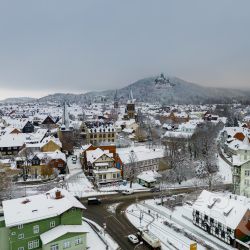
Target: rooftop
x=38, y=207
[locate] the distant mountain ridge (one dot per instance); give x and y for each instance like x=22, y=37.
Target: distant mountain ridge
x=18, y=100
x=179, y=92
x=176, y=91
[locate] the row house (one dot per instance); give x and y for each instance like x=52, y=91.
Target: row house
x=224, y=216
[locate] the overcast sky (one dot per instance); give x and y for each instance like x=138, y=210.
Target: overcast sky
x=75, y=46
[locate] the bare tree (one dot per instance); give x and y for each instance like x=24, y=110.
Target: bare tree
x=178, y=160
x=140, y=134
x=46, y=171
x=6, y=182
x=132, y=166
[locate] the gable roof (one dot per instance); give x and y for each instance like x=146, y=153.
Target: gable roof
x=59, y=231
x=38, y=207
x=93, y=155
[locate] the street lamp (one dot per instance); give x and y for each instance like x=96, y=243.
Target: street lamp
x=140, y=243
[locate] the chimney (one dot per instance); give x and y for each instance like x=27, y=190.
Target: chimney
x=58, y=194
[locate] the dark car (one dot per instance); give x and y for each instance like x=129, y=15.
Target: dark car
x=155, y=189
x=94, y=201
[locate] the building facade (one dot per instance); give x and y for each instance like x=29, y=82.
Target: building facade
x=52, y=221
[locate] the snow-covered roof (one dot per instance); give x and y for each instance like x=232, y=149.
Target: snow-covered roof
x=109, y=170
x=38, y=207
x=225, y=208
x=12, y=140
x=61, y=230
x=149, y=176
x=142, y=153
x=93, y=155
x=178, y=134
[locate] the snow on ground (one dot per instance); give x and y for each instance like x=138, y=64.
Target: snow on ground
x=121, y=187
x=112, y=208
x=182, y=217
x=225, y=170
x=93, y=240
x=168, y=237
x=79, y=185
x=77, y=182
x=112, y=245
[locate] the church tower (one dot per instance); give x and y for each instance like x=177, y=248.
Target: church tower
x=131, y=106
x=116, y=101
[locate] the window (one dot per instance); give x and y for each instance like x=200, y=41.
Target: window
x=36, y=243
x=217, y=231
x=30, y=245
x=247, y=172
x=36, y=229
x=20, y=248
x=78, y=241
x=20, y=226
x=222, y=234
x=114, y=176
x=54, y=247
x=33, y=244
x=20, y=236
x=52, y=224
x=66, y=244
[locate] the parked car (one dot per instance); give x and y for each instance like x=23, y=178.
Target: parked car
x=155, y=189
x=132, y=238
x=94, y=201
x=128, y=191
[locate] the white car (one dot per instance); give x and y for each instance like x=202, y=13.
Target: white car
x=128, y=191
x=132, y=238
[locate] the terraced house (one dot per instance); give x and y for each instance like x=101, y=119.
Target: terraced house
x=50, y=221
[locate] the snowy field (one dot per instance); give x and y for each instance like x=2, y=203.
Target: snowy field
x=180, y=219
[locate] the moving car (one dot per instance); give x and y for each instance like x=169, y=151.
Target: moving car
x=132, y=238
